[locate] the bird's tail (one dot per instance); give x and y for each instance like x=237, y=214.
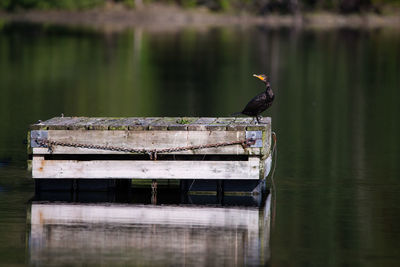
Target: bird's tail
x=236, y=113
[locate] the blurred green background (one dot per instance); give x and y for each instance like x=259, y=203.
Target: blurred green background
x=252, y=6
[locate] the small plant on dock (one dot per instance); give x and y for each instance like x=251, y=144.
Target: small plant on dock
x=183, y=121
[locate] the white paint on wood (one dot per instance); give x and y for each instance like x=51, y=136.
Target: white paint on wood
x=146, y=169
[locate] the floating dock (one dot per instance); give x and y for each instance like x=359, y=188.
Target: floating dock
x=192, y=148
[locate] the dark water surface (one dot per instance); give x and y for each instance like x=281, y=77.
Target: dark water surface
x=336, y=116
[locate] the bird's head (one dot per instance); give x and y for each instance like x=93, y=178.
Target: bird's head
x=262, y=77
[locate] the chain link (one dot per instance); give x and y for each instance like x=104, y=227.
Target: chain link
x=151, y=152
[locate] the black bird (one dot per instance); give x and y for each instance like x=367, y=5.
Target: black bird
x=260, y=102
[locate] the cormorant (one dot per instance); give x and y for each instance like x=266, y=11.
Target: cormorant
x=260, y=102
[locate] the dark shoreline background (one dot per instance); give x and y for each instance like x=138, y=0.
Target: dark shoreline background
x=117, y=16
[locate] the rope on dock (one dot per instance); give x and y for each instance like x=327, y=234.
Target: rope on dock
x=151, y=152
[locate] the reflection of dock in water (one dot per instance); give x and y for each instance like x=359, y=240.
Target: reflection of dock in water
x=137, y=234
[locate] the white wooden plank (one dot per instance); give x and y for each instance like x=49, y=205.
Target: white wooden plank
x=146, y=169
x=148, y=140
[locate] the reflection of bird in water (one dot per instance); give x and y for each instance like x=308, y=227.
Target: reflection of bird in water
x=260, y=102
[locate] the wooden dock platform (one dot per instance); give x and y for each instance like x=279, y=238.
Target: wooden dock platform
x=150, y=148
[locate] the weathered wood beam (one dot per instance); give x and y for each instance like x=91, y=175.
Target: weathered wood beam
x=146, y=169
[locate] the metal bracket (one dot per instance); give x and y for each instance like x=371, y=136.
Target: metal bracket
x=255, y=135
x=38, y=135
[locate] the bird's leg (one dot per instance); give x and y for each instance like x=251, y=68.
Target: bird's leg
x=258, y=119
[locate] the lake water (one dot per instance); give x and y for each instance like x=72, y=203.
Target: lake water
x=336, y=116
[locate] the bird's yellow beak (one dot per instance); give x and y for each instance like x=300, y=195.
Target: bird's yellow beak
x=259, y=77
